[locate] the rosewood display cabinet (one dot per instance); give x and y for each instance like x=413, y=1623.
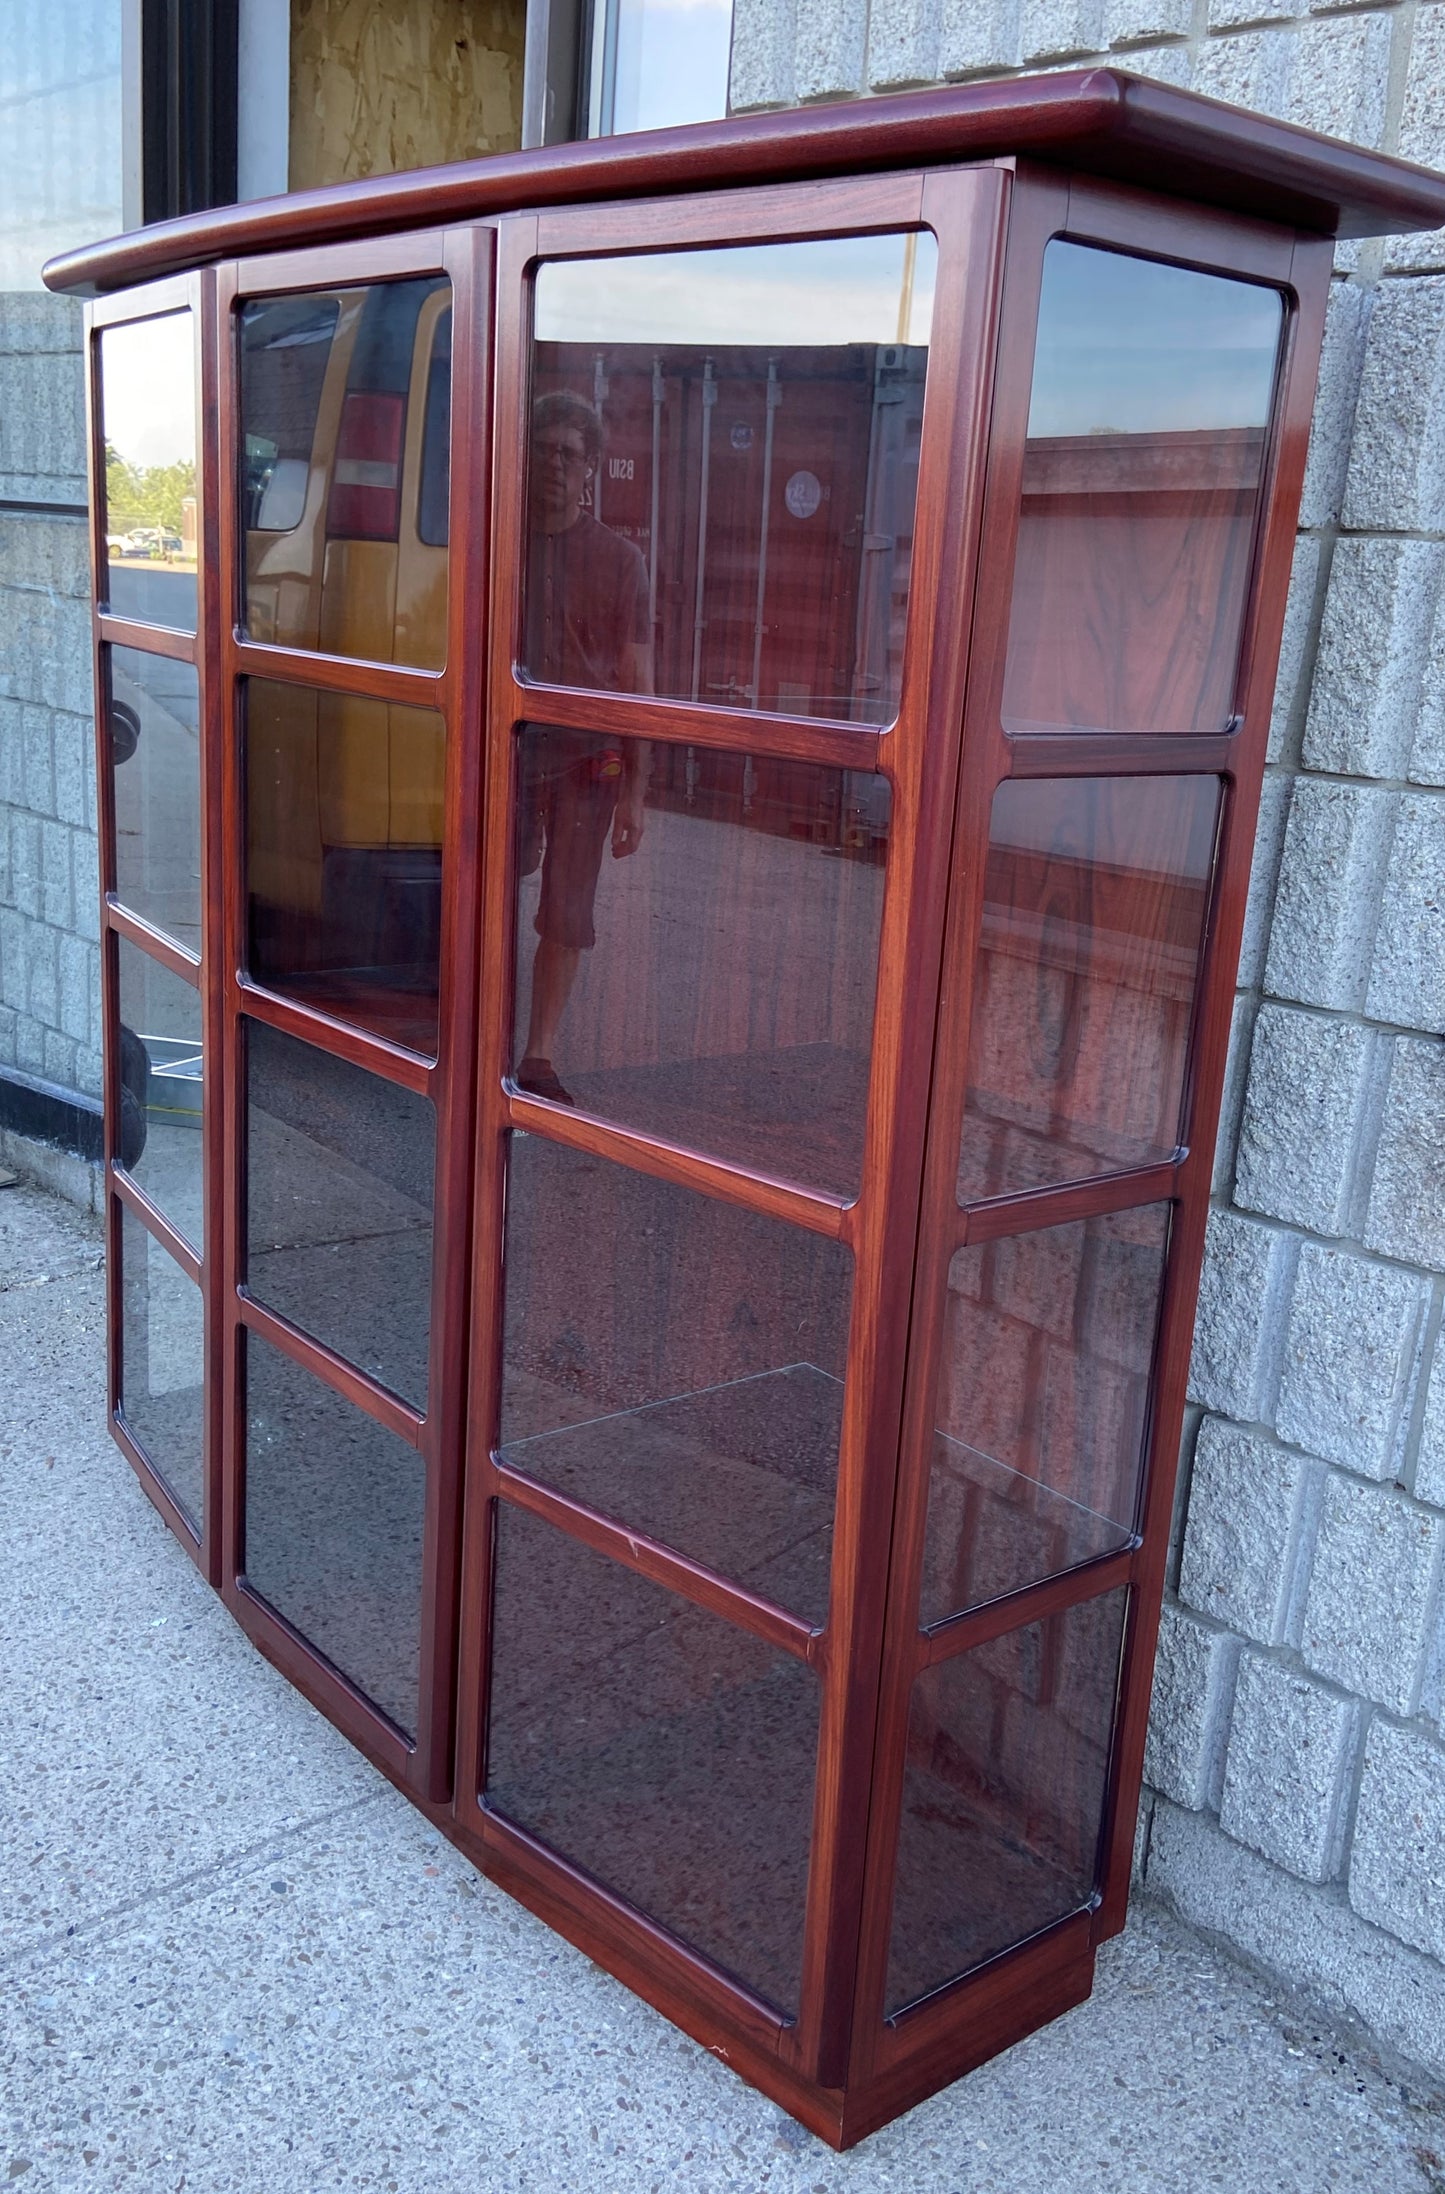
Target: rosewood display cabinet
x=679, y=736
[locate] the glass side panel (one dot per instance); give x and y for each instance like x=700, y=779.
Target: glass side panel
x=724, y=469
x=345, y=453
x=148, y=422
x=1095, y=897
x=697, y=946
x=335, y=1514
x=1146, y=440
x=159, y=1141
x=677, y=1364
x=162, y=1364
x=669, y=1754
x=155, y=759
x=1006, y=1773
x=344, y=802
x=666, y=62
x=339, y=1169
x=1043, y=1396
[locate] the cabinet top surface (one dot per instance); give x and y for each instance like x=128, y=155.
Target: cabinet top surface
x=1099, y=122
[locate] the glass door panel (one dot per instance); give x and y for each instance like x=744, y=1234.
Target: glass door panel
x=666, y=1752
x=1006, y=1772
x=1096, y=892
x=1142, y=478
x=697, y=938
x=160, y=1142
x=335, y=1515
x=155, y=761
x=344, y=799
x=676, y=1363
x=148, y=425
x=1042, y=1408
x=724, y=466
x=162, y=1358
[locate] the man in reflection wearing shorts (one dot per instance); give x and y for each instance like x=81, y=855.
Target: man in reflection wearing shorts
x=587, y=624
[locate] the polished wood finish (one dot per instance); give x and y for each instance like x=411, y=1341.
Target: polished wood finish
x=1059, y=157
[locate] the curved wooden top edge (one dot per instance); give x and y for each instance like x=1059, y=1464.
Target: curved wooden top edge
x=1098, y=121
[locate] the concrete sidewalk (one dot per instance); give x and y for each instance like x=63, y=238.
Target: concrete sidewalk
x=236, y=1962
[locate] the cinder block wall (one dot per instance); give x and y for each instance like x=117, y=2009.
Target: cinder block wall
x=1296, y=1762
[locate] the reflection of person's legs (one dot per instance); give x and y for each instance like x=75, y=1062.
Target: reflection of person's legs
x=578, y=818
x=554, y=971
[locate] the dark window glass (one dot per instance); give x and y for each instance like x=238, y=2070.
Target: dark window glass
x=1003, y=1794
x=677, y=1364
x=1043, y=1397
x=155, y=755
x=148, y=421
x=1151, y=399
x=339, y=1171
x=1095, y=897
x=335, y=1510
x=669, y=1754
x=344, y=855
x=161, y=1089
x=697, y=946
x=344, y=413
x=723, y=473
x=162, y=1364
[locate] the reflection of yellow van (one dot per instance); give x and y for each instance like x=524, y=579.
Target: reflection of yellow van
x=345, y=414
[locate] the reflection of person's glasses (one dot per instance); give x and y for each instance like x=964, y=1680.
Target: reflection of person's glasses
x=563, y=453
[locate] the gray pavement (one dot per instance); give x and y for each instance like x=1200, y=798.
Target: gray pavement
x=234, y=1961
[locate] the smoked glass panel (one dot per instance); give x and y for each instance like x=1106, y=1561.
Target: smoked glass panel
x=161, y=1089
x=677, y=1364
x=335, y=1509
x=162, y=1363
x=1095, y=897
x=148, y=422
x=339, y=1171
x=344, y=804
x=668, y=1753
x=1003, y=1794
x=155, y=759
x=1146, y=440
x=697, y=946
x=1043, y=1397
x=724, y=469
x=661, y=62
x=345, y=419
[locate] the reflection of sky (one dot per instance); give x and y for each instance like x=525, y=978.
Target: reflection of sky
x=1137, y=347
x=60, y=167
x=847, y=289
x=672, y=62
x=147, y=376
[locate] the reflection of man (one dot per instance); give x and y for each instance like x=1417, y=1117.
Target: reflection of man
x=586, y=625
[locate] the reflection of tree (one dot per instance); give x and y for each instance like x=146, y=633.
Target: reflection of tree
x=145, y=495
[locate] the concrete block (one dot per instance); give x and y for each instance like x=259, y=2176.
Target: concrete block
x=1309, y=1084
x=1251, y=70
x=1427, y=755
x=828, y=50
x=1236, y=1068
x=38, y=782
x=79, y=967
x=1396, y=480
x=1430, y=1460
x=57, y=896
x=1162, y=64
x=7, y=1036
x=1422, y=131
x=1189, y=1719
x=1327, y=900
x=1131, y=22
x=1397, y=1866
x=1407, y=979
x=89, y=1072
x=761, y=70
x=1286, y=1772
x=1307, y=1935
x=59, y=1058
x=1342, y=362
x=1340, y=75
x=42, y=979
x=29, y=1044
x=13, y=926
x=1290, y=687
x=1274, y=801
x=1372, y=1593
x=26, y=886
x=1406, y=1216
x=1351, y=1351
x=73, y=742
x=1374, y=649
x=1057, y=30
x=977, y=34
x=1242, y=1294
x=12, y=792
x=902, y=43
x=1232, y=14
x=1247, y=1504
